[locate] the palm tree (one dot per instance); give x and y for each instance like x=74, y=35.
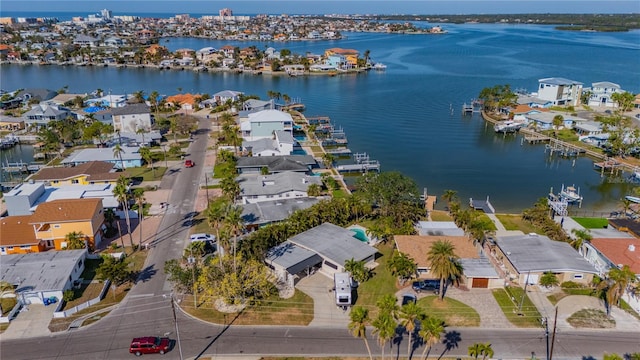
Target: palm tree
x=615, y=284
x=145, y=152
x=121, y=192
x=388, y=304
x=215, y=216
x=6, y=290
x=557, y=122
x=444, y=262
x=138, y=196
x=117, y=153
x=475, y=350
x=581, y=236
x=235, y=223
x=410, y=314
x=431, y=330
x=75, y=240
x=385, y=329
x=358, y=325
x=141, y=131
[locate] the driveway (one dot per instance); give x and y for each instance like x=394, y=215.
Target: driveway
x=326, y=313
x=32, y=321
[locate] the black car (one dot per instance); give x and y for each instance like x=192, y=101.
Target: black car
x=408, y=298
x=426, y=285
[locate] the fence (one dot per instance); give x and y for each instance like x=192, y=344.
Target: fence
x=75, y=309
x=11, y=314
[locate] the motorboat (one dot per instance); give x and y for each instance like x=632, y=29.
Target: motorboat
x=379, y=66
x=571, y=194
x=508, y=126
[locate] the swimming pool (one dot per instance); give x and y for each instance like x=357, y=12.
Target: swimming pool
x=360, y=234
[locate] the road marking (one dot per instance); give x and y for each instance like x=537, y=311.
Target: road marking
x=141, y=296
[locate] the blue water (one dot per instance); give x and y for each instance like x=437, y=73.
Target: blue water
x=402, y=117
x=360, y=234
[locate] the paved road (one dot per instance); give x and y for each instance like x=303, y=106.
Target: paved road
x=147, y=311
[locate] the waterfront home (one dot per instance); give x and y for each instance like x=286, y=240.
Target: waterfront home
x=183, y=101
x=41, y=114
x=65, y=99
x=544, y=120
x=349, y=57
x=324, y=248
x=601, y=93
x=255, y=105
x=130, y=157
x=82, y=40
x=262, y=124
x=526, y=258
x=588, y=128
x=35, y=94
x=283, y=185
x=520, y=112
x=110, y=101
x=560, y=91
x=89, y=173
x=439, y=228
x=131, y=118
x=10, y=123
x=144, y=138
x=40, y=276
x=478, y=272
x=221, y=97
x=275, y=164
x=281, y=144
x=25, y=198
x=256, y=215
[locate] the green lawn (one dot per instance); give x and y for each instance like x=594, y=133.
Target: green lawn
x=339, y=194
x=515, y=222
x=453, y=312
x=146, y=173
x=381, y=283
x=510, y=299
x=439, y=215
x=592, y=223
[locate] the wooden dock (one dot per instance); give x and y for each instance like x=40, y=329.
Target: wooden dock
x=533, y=137
x=372, y=165
x=483, y=205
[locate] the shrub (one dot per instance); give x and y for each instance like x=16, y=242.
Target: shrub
x=571, y=285
x=68, y=295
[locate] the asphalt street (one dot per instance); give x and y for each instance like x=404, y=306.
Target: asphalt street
x=147, y=310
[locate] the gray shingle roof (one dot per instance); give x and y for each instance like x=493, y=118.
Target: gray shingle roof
x=334, y=243
x=278, y=163
x=131, y=109
x=539, y=253
x=293, y=258
x=255, y=185
x=266, y=212
x=479, y=268
x=42, y=271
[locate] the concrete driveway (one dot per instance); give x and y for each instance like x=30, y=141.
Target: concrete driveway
x=32, y=321
x=326, y=313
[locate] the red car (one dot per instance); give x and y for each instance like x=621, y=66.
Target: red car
x=188, y=163
x=149, y=345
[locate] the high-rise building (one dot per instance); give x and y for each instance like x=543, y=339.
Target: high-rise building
x=106, y=14
x=225, y=12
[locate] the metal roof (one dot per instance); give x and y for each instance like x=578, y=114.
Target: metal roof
x=255, y=185
x=41, y=271
x=559, y=81
x=479, y=268
x=535, y=252
x=292, y=258
x=266, y=212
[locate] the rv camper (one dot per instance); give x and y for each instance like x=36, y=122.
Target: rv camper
x=342, y=283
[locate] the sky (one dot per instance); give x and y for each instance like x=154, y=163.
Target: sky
x=240, y=7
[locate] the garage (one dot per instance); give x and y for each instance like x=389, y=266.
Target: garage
x=480, y=283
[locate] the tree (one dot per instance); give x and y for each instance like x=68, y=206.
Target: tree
x=216, y=212
x=444, y=263
x=230, y=188
x=557, y=122
x=6, y=290
x=116, y=270
x=581, y=236
x=402, y=266
x=314, y=190
x=409, y=315
x=616, y=282
x=121, y=192
x=449, y=196
x=75, y=240
x=624, y=100
x=388, y=304
x=145, y=152
x=328, y=159
x=358, y=270
x=549, y=279
x=385, y=328
x=235, y=223
x=117, y=153
x=138, y=197
x=358, y=326
x=480, y=349
x=250, y=283
x=431, y=330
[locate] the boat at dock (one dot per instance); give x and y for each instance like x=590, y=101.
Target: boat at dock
x=508, y=126
x=379, y=67
x=571, y=194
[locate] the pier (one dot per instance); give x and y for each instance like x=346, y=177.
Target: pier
x=484, y=205
x=363, y=164
x=8, y=142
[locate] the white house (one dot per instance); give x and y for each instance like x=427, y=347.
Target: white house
x=262, y=124
x=284, y=185
x=132, y=117
x=42, y=113
x=601, y=93
x=281, y=144
x=560, y=91
x=130, y=157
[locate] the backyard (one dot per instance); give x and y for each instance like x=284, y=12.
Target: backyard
x=515, y=222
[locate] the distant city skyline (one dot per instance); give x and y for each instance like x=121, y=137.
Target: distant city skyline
x=421, y=7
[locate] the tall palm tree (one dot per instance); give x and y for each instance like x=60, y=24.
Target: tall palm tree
x=145, y=152
x=235, y=223
x=410, y=314
x=75, y=240
x=385, y=328
x=581, y=236
x=475, y=350
x=138, y=196
x=615, y=284
x=358, y=325
x=117, y=153
x=388, y=304
x=431, y=330
x=121, y=191
x=444, y=262
x=216, y=212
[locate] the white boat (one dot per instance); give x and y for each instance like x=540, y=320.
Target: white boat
x=571, y=194
x=633, y=199
x=379, y=66
x=507, y=126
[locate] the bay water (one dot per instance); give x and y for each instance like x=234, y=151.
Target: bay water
x=409, y=116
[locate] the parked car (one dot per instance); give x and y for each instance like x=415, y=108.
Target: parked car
x=408, y=298
x=203, y=237
x=149, y=345
x=426, y=285
x=188, y=163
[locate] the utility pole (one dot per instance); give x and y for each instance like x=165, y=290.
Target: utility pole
x=175, y=321
x=524, y=293
x=545, y=321
x=553, y=337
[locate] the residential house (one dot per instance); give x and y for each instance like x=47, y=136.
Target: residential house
x=35, y=94
x=439, y=228
x=275, y=164
x=110, y=101
x=18, y=236
x=520, y=112
x=526, y=258
x=130, y=157
x=325, y=248
x=262, y=124
x=53, y=220
x=114, y=42
x=86, y=41
x=131, y=118
x=84, y=174
x=601, y=93
x=282, y=144
x=255, y=105
x=350, y=56
x=478, y=272
x=186, y=102
x=9, y=123
x=560, y=91
x=221, y=97
x=43, y=275
x=544, y=120
x=282, y=185
x=41, y=114
x=256, y=215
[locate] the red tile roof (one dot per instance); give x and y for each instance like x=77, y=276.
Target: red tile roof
x=619, y=251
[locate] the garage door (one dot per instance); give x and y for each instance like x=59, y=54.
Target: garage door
x=480, y=283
